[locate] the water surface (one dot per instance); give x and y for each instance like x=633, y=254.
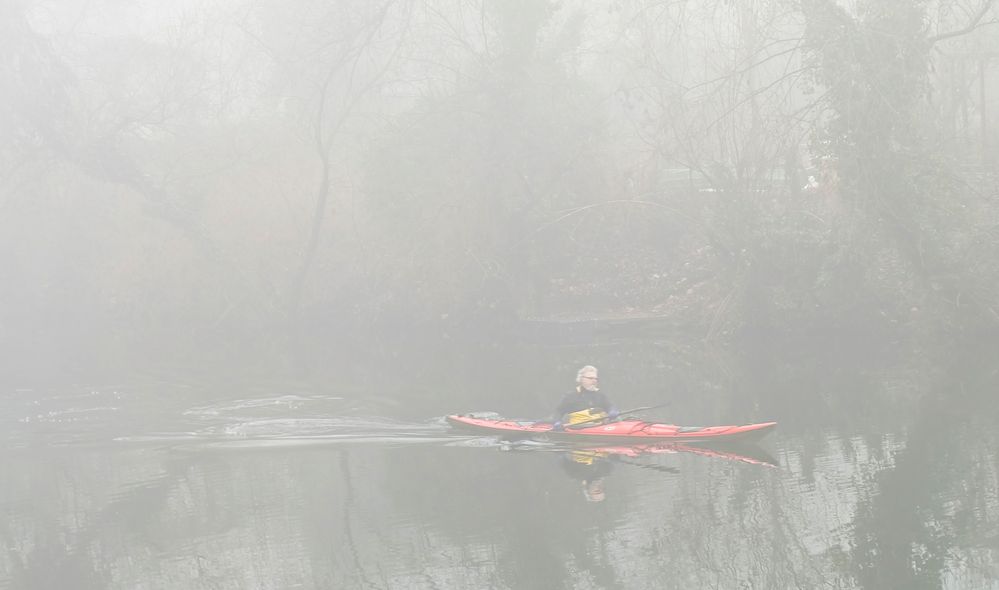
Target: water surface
x=883, y=475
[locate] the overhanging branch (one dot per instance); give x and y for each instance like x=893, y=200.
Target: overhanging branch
x=976, y=21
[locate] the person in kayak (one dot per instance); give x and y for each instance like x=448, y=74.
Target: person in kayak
x=586, y=403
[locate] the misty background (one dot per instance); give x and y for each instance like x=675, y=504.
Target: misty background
x=247, y=182
x=261, y=221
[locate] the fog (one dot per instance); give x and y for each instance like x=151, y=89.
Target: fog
x=248, y=177
x=400, y=209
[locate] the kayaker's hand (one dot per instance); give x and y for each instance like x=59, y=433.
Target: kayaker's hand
x=612, y=415
x=557, y=426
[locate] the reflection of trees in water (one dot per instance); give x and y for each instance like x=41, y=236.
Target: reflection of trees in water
x=270, y=521
x=76, y=518
x=932, y=515
x=865, y=509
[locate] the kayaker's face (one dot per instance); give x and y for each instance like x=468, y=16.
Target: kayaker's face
x=589, y=381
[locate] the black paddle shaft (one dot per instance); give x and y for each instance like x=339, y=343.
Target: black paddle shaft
x=643, y=408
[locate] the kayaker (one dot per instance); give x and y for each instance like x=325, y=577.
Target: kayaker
x=586, y=403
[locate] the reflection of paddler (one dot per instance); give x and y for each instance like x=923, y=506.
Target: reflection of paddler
x=589, y=467
x=586, y=457
x=593, y=491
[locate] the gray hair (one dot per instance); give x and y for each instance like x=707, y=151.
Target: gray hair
x=586, y=369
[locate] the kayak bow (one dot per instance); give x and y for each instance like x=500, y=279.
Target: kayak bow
x=628, y=430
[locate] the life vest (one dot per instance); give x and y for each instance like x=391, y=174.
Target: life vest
x=587, y=415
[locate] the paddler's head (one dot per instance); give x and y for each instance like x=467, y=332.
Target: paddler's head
x=593, y=490
x=587, y=378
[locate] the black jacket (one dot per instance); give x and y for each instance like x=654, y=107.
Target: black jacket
x=582, y=399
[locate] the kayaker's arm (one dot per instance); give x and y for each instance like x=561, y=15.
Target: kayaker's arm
x=612, y=412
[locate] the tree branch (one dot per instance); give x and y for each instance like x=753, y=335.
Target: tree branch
x=975, y=21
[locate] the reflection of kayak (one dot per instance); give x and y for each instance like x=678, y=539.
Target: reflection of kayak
x=751, y=454
x=627, y=431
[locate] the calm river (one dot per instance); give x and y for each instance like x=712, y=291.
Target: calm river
x=883, y=473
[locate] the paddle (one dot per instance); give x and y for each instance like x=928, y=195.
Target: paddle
x=631, y=411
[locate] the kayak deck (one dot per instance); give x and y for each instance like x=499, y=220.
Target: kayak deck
x=628, y=430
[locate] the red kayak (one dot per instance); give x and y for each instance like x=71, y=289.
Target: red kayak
x=627, y=431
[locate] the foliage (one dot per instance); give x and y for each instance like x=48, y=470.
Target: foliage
x=905, y=198
x=232, y=173
x=460, y=186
